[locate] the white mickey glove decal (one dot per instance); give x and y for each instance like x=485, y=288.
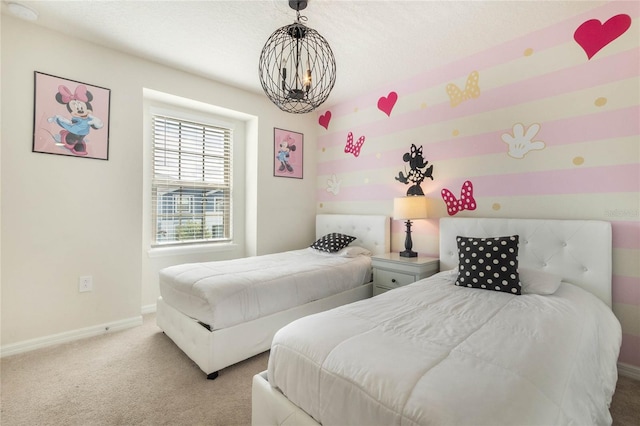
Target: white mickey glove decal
x=333, y=185
x=521, y=142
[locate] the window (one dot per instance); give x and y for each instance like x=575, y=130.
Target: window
x=191, y=188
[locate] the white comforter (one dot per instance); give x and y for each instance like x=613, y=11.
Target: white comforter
x=225, y=293
x=432, y=353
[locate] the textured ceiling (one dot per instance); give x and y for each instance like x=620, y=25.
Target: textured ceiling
x=374, y=42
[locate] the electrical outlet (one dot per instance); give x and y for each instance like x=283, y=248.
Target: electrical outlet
x=85, y=283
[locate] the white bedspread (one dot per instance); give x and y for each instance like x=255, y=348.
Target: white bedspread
x=432, y=353
x=224, y=293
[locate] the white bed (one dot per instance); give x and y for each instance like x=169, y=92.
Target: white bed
x=220, y=313
x=436, y=353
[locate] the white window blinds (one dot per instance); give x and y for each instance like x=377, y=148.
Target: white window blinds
x=191, y=189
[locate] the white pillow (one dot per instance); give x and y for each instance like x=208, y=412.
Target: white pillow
x=350, y=251
x=450, y=275
x=353, y=251
x=536, y=281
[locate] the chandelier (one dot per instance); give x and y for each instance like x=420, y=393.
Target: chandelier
x=297, y=68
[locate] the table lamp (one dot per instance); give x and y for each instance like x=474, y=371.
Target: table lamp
x=410, y=207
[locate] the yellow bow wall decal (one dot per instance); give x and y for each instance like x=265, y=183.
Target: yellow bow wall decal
x=471, y=90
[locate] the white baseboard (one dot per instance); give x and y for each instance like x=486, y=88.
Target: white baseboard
x=149, y=309
x=68, y=336
x=630, y=371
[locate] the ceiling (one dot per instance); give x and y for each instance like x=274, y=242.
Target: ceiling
x=374, y=42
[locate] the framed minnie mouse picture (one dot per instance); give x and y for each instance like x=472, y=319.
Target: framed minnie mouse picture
x=287, y=149
x=70, y=118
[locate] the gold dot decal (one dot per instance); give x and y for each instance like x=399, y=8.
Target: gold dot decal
x=578, y=161
x=496, y=206
x=366, y=180
x=378, y=155
x=423, y=105
x=324, y=149
x=600, y=102
x=455, y=132
x=528, y=51
x=321, y=205
x=355, y=109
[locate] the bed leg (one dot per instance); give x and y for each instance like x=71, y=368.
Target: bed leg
x=212, y=376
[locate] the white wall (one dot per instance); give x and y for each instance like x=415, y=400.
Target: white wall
x=63, y=217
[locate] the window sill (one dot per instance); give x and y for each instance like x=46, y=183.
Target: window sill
x=190, y=249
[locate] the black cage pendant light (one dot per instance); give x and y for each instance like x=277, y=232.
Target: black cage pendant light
x=297, y=68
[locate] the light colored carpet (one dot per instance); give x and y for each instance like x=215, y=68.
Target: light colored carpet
x=132, y=377
x=139, y=377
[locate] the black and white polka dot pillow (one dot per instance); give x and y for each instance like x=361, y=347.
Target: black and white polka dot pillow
x=333, y=242
x=489, y=263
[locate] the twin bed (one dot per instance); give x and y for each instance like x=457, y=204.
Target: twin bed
x=517, y=327
x=220, y=313
x=462, y=347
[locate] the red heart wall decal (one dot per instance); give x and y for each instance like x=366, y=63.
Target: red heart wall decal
x=325, y=119
x=592, y=35
x=386, y=104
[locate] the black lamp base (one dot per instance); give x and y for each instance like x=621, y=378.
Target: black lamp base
x=408, y=244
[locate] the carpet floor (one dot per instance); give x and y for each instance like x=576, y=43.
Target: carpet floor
x=139, y=377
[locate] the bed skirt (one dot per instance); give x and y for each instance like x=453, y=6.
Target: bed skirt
x=215, y=350
x=272, y=408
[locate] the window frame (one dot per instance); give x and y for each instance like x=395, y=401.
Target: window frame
x=209, y=121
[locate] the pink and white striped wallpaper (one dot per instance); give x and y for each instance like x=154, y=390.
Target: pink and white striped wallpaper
x=544, y=126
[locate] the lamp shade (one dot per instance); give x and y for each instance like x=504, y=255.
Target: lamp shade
x=411, y=207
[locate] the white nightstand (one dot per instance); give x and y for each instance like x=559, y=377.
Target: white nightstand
x=392, y=271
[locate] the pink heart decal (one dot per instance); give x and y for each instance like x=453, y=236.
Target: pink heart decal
x=593, y=35
x=324, y=120
x=386, y=104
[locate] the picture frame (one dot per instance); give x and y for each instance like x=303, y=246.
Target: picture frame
x=70, y=118
x=288, y=148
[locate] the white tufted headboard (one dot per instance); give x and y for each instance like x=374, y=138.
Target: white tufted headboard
x=577, y=250
x=372, y=231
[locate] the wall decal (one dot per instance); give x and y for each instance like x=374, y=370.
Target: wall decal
x=496, y=206
x=528, y=51
x=416, y=175
x=386, y=104
x=592, y=35
x=325, y=119
x=466, y=201
x=578, y=161
x=471, y=90
x=455, y=132
x=333, y=185
x=600, y=102
x=353, y=148
x=521, y=141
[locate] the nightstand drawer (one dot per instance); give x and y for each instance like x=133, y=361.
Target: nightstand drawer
x=391, y=279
